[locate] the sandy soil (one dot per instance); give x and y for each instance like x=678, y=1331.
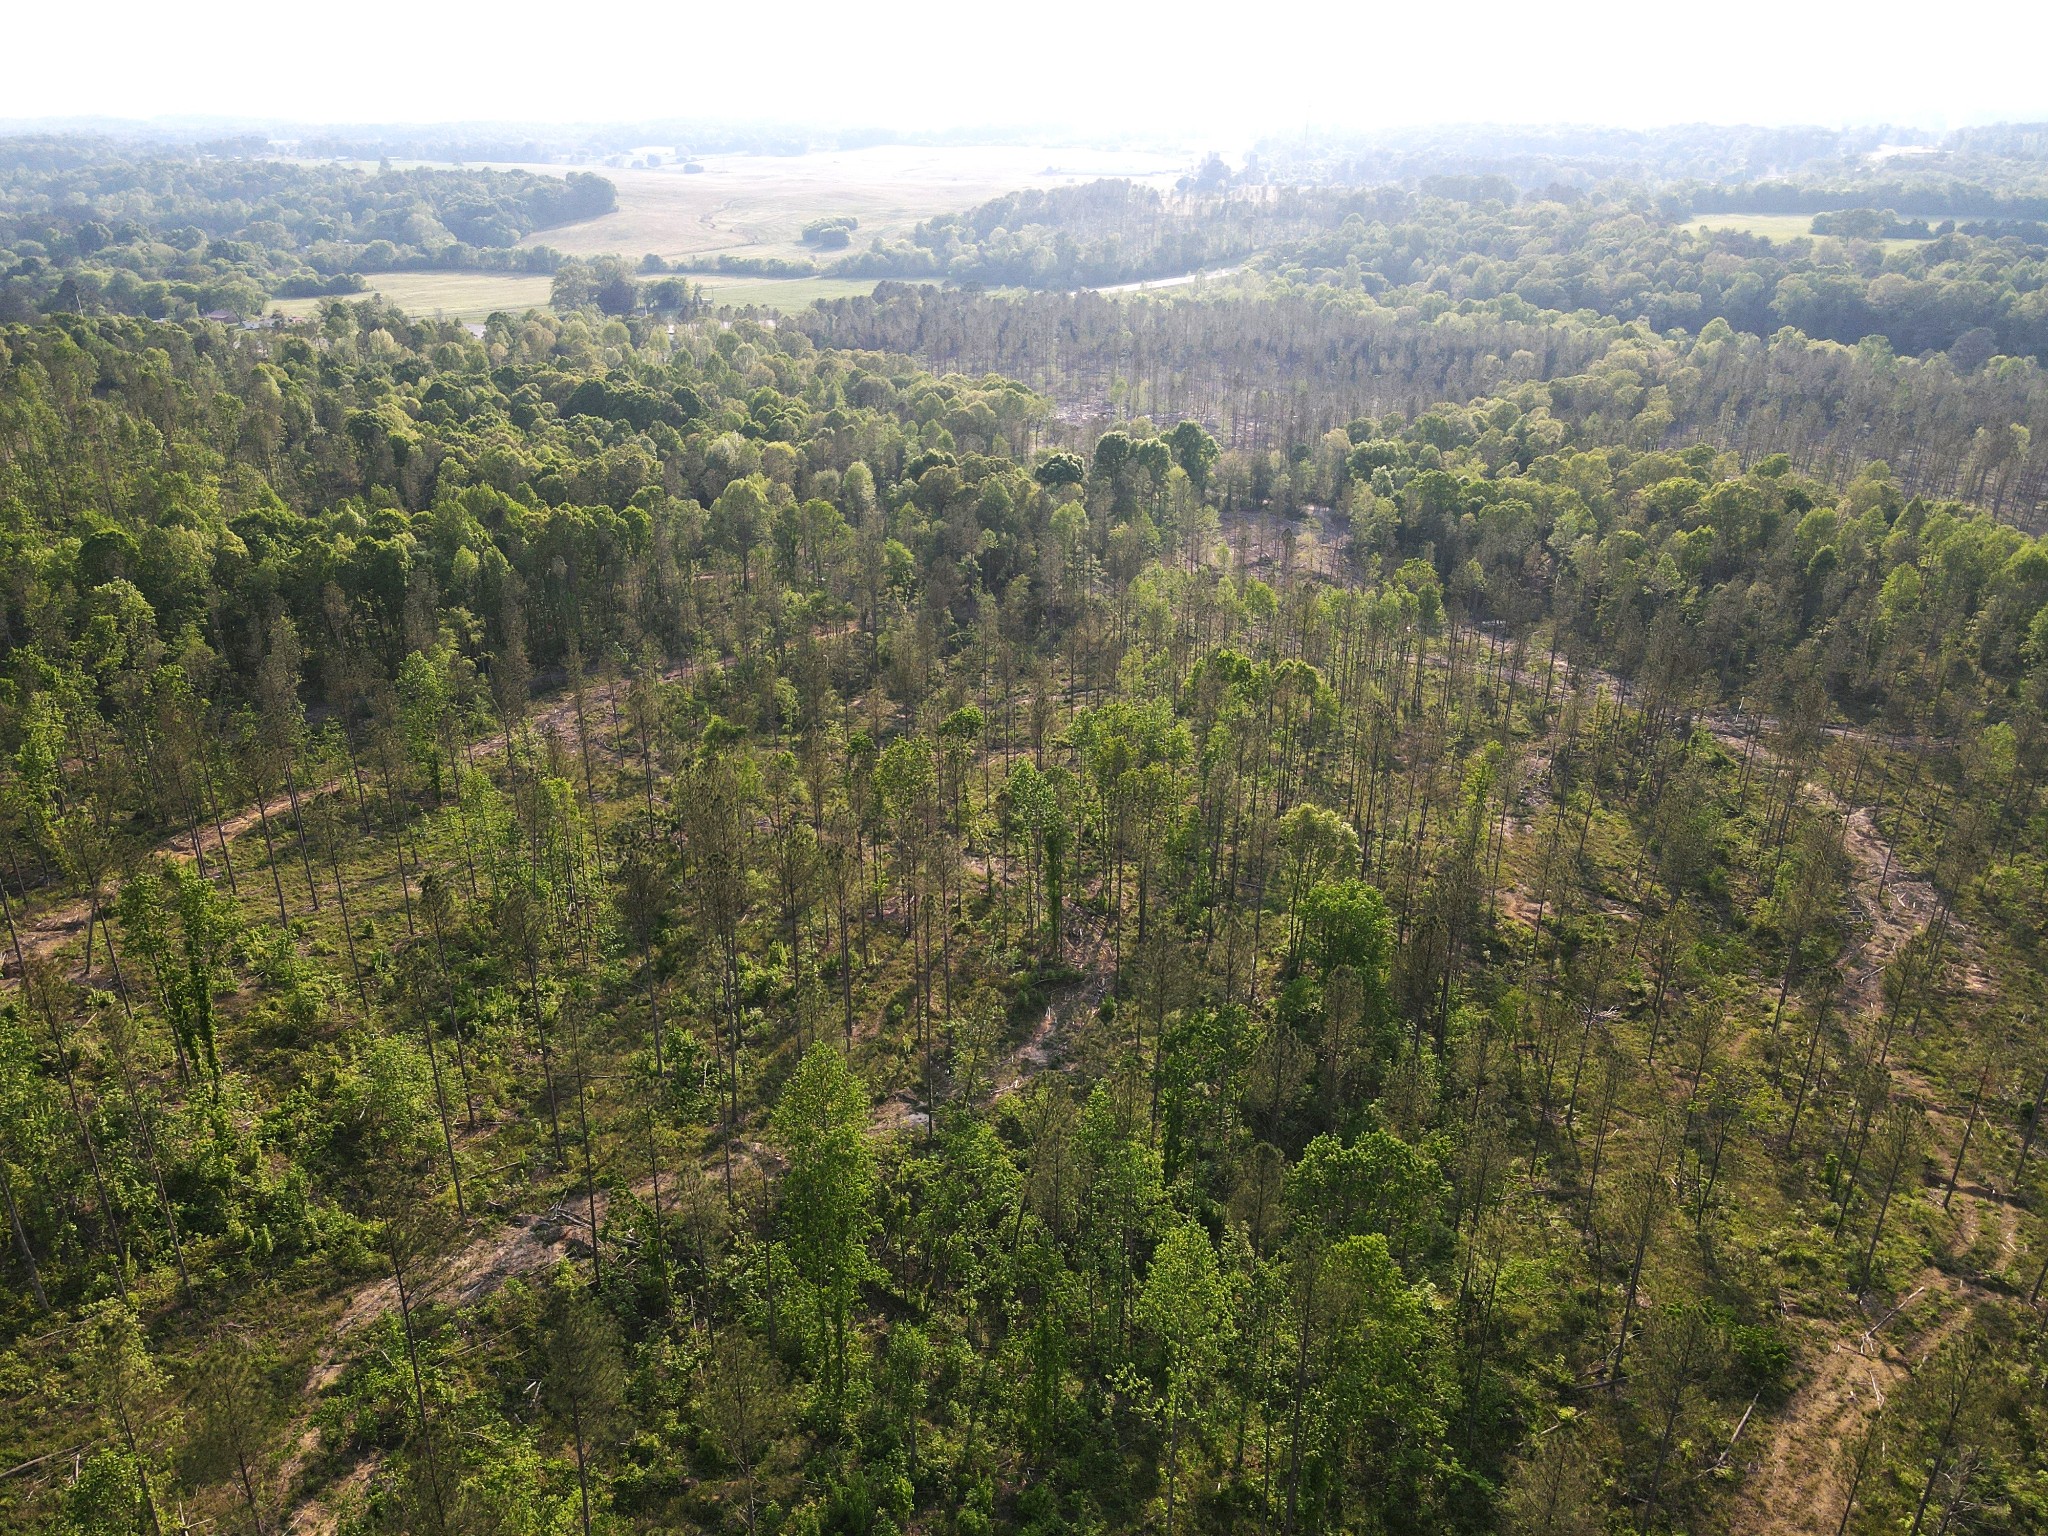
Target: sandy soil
x=43, y=933
x=1795, y=1487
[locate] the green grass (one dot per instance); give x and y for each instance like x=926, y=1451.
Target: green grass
x=476, y=295
x=452, y=295
x=1771, y=226
x=1777, y=226
x=783, y=293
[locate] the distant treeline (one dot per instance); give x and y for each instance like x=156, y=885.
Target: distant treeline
x=1105, y=232
x=1931, y=197
x=1745, y=162
x=1536, y=157
x=1975, y=296
x=748, y=266
x=84, y=227
x=1976, y=292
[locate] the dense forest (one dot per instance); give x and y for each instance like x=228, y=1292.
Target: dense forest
x=89, y=227
x=1923, y=349
x=1102, y=232
x=1277, y=367
x=1921, y=292
x=1353, y=904
x=1621, y=245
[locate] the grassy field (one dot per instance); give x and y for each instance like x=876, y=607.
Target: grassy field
x=783, y=293
x=1771, y=226
x=1776, y=226
x=453, y=295
x=476, y=295
x=757, y=205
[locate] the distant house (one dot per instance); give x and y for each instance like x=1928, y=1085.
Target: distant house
x=224, y=316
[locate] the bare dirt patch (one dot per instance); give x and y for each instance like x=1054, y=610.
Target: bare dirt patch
x=1796, y=1486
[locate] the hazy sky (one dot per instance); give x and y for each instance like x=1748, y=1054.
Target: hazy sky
x=1217, y=73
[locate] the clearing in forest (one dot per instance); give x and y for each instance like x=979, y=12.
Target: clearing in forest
x=757, y=205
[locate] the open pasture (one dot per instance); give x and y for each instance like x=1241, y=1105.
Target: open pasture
x=1769, y=226
x=783, y=293
x=453, y=295
x=757, y=205
x=1775, y=226
x=476, y=295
